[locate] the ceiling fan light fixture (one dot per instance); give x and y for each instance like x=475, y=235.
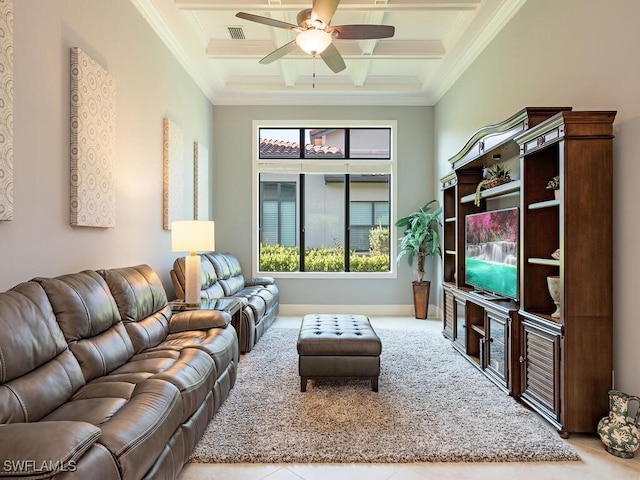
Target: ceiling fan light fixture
x=313, y=41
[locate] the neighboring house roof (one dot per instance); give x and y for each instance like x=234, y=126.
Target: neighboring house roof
x=282, y=149
x=279, y=149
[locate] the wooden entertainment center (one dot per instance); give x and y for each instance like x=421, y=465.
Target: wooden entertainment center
x=560, y=367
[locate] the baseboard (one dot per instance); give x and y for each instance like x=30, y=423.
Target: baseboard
x=369, y=310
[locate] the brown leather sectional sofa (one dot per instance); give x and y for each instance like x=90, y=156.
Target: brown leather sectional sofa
x=222, y=277
x=100, y=380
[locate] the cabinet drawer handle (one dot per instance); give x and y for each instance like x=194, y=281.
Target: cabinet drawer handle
x=522, y=359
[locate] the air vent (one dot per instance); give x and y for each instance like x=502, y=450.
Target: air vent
x=236, y=33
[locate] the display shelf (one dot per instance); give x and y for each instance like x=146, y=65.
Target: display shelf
x=478, y=328
x=545, y=204
x=544, y=316
x=576, y=146
x=510, y=188
x=543, y=261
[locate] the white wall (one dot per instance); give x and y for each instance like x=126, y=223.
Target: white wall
x=232, y=195
x=579, y=53
x=150, y=84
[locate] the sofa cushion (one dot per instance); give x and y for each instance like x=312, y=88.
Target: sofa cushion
x=142, y=303
x=88, y=315
x=210, y=289
x=228, y=271
x=38, y=373
x=28, y=450
x=136, y=421
x=192, y=371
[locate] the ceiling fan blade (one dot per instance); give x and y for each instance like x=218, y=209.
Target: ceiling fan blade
x=324, y=10
x=333, y=59
x=272, y=22
x=361, y=32
x=279, y=53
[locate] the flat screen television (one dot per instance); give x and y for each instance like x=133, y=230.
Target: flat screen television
x=491, y=252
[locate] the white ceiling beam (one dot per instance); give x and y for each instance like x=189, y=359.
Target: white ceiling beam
x=360, y=70
x=280, y=37
x=345, y=5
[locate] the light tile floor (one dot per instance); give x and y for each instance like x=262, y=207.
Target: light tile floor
x=595, y=462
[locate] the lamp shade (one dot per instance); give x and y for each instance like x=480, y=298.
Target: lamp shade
x=192, y=236
x=313, y=41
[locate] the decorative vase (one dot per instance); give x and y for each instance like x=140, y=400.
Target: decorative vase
x=553, y=283
x=556, y=194
x=618, y=432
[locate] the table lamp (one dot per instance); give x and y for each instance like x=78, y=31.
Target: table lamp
x=192, y=236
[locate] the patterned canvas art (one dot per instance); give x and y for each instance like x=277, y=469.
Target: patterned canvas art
x=93, y=90
x=6, y=109
x=173, y=175
x=201, y=182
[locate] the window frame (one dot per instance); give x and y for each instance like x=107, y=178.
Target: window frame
x=342, y=166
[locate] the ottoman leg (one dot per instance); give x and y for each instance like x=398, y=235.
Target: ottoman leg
x=303, y=384
x=374, y=384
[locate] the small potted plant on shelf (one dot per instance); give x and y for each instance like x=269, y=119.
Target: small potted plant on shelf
x=554, y=184
x=493, y=176
x=421, y=239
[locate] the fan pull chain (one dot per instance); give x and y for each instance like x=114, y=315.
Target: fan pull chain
x=313, y=82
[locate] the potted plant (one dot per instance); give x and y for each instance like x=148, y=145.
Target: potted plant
x=554, y=184
x=421, y=239
x=493, y=176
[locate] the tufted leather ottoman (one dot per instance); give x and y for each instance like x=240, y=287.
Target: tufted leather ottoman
x=338, y=347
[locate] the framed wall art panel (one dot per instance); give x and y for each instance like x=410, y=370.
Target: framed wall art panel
x=173, y=173
x=201, y=182
x=93, y=143
x=6, y=109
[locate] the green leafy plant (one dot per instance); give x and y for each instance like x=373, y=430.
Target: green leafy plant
x=379, y=240
x=554, y=183
x=493, y=176
x=278, y=258
x=421, y=236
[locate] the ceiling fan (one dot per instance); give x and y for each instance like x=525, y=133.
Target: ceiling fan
x=315, y=35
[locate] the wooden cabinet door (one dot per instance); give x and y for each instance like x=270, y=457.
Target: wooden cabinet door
x=496, y=352
x=460, y=332
x=449, y=314
x=540, y=368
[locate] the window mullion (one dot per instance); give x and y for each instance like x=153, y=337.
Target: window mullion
x=302, y=226
x=347, y=221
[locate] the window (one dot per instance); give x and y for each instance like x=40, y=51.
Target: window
x=278, y=212
x=365, y=217
x=324, y=200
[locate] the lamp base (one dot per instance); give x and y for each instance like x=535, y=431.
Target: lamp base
x=192, y=281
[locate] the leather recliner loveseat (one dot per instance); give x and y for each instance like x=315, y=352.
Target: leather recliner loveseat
x=100, y=380
x=221, y=277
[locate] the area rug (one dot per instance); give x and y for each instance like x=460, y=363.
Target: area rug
x=432, y=406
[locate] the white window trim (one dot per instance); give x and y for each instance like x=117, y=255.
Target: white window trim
x=310, y=166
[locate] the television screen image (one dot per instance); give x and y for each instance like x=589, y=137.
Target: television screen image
x=491, y=251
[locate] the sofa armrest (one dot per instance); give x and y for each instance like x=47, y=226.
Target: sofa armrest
x=198, y=320
x=44, y=449
x=254, y=281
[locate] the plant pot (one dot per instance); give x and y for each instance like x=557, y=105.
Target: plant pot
x=421, y=298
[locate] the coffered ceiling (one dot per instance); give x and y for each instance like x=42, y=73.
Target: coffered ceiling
x=434, y=42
